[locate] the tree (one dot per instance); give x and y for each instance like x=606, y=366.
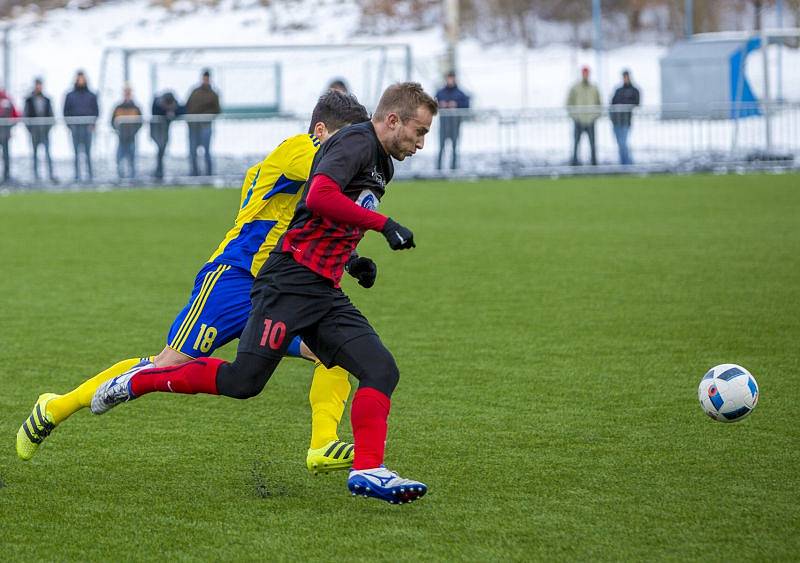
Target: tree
x=757, y=7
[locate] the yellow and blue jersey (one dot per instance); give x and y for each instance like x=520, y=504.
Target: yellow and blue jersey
x=270, y=194
x=219, y=305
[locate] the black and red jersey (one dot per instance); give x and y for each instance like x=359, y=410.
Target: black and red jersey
x=354, y=159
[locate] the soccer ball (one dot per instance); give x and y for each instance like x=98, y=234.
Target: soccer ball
x=728, y=393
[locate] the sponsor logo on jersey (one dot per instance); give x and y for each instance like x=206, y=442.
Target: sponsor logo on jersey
x=368, y=200
x=378, y=177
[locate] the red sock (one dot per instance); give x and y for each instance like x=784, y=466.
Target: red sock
x=368, y=416
x=199, y=376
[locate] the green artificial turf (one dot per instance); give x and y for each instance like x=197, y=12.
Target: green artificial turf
x=550, y=337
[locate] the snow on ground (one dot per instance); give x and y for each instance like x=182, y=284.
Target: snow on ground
x=500, y=76
x=503, y=77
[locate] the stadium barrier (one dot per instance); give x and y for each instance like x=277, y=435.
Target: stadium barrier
x=491, y=143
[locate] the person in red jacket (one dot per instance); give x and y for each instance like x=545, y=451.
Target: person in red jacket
x=8, y=117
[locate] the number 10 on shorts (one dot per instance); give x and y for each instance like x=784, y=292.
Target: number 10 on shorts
x=274, y=333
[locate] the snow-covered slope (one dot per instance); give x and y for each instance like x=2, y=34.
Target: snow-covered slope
x=503, y=76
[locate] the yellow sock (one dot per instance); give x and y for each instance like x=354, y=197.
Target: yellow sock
x=68, y=404
x=330, y=389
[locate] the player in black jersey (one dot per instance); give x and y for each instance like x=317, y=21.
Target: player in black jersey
x=297, y=290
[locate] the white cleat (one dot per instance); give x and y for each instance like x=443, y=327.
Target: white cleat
x=117, y=390
x=386, y=485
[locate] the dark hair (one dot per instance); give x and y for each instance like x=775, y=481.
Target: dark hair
x=168, y=98
x=404, y=99
x=207, y=72
x=338, y=84
x=336, y=109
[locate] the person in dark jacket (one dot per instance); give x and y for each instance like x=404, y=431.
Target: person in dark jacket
x=339, y=85
x=8, y=115
x=625, y=99
x=81, y=112
x=126, y=119
x=201, y=107
x=39, y=111
x=165, y=109
x=450, y=97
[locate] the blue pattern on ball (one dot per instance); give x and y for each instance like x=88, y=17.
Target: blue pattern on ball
x=729, y=374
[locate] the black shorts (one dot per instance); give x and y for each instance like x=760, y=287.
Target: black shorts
x=289, y=300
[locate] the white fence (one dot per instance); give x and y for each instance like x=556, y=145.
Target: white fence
x=491, y=143
x=540, y=141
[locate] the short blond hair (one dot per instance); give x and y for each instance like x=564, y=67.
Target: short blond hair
x=404, y=98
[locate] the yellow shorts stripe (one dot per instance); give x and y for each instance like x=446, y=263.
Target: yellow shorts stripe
x=214, y=279
x=197, y=306
x=212, y=283
x=187, y=321
x=188, y=316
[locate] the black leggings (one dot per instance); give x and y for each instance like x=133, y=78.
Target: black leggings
x=364, y=356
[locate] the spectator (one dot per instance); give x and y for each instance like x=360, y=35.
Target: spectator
x=81, y=111
x=339, y=85
x=583, y=105
x=39, y=109
x=450, y=97
x=625, y=99
x=8, y=113
x=203, y=101
x=165, y=109
x=126, y=119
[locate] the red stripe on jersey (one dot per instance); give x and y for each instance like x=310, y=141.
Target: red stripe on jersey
x=329, y=254
x=308, y=229
x=322, y=246
x=325, y=241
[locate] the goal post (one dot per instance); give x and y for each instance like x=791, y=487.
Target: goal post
x=258, y=79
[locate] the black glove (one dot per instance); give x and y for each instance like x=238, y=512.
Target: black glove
x=397, y=235
x=363, y=269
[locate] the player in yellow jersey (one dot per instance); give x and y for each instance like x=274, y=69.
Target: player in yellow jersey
x=219, y=306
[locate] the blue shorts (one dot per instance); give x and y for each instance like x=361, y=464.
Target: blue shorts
x=216, y=313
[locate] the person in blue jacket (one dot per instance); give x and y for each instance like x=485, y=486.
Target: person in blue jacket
x=81, y=112
x=450, y=97
x=626, y=97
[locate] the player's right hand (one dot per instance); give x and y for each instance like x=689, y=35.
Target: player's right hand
x=398, y=236
x=363, y=269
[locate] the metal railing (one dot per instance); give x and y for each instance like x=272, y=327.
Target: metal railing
x=540, y=141
x=490, y=143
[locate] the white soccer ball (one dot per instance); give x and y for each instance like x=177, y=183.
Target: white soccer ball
x=728, y=393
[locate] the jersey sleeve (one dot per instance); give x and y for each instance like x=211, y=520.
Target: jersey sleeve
x=325, y=198
x=346, y=157
x=299, y=157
